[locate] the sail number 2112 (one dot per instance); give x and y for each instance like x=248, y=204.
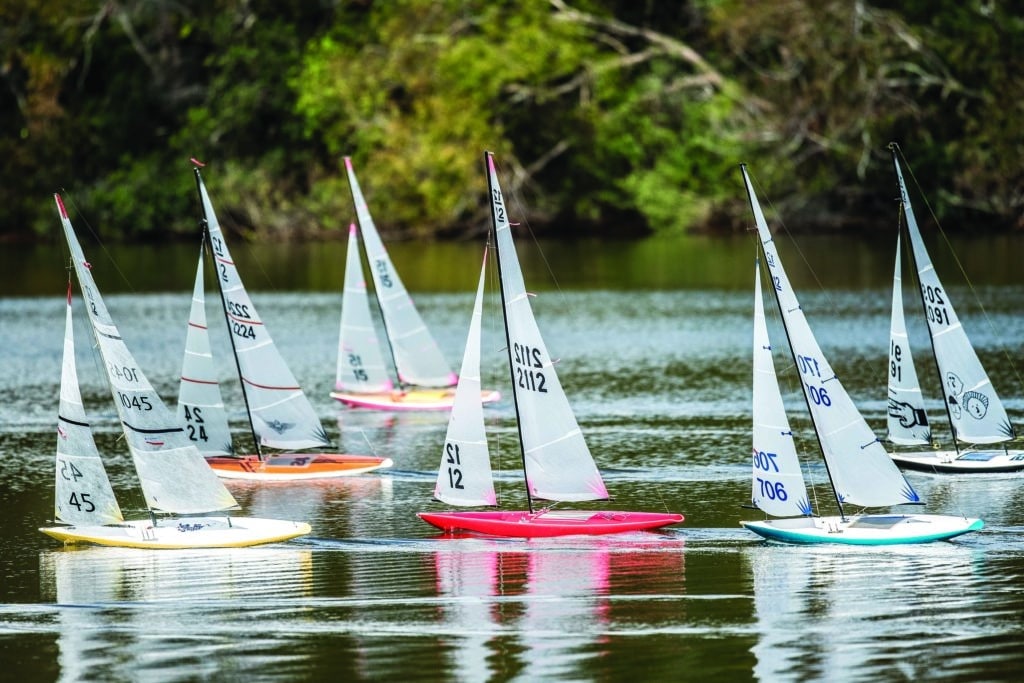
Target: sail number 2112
x=528, y=368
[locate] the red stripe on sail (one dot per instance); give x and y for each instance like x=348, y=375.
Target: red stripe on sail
x=197, y=381
x=267, y=386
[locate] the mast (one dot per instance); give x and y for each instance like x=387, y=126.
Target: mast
x=893, y=147
x=491, y=190
x=204, y=223
x=782, y=314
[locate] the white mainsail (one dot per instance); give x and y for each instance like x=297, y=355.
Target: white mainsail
x=200, y=406
x=282, y=416
x=778, y=481
x=418, y=359
x=907, y=420
x=360, y=363
x=557, y=461
x=82, y=494
x=464, y=477
x=173, y=474
x=975, y=411
x=862, y=472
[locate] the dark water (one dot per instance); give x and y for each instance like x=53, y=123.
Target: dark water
x=654, y=339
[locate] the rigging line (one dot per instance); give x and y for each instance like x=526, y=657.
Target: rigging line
x=795, y=245
x=102, y=245
x=1015, y=371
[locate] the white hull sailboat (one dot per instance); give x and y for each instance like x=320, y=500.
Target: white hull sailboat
x=188, y=504
x=362, y=380
x=974, y=411
x=279, y=413
x=860, y=471
x=557, y=464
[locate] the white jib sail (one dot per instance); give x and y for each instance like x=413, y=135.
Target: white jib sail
x=558, y=463
x=464, y=477
x=418, y=358
x=977, y=414
x=281, y=414
x=361, y=366
x=862, y=472
x=200, y=406
x=82, y=494
x=778, y=481
x=173, y=474
x=907, y=421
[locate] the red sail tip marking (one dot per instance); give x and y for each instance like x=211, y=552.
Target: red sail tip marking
x=60, y=206
x=196, y=162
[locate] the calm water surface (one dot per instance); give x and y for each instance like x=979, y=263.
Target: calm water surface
x=654, y=339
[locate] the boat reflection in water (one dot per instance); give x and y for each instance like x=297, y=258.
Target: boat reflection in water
x=126, y=614
x=822, y=614
x=532, y=610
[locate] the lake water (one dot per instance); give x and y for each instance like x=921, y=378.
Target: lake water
x=654, y=341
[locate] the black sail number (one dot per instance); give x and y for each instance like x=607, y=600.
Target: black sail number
x=528, y=368
x=454, y=461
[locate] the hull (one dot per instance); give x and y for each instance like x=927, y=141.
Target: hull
x=295, y=466
x=522, y=524
x=864, y=529
x=184, y=532
x=976, y=461
x=414, y=399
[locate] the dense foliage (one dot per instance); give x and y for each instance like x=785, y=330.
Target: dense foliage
x=619, y=116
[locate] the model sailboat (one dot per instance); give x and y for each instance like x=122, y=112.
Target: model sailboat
x=975, y=413
x=280, y=416
x=557, y=464
x=859, y=470
x=188, y=504
x=425, y=380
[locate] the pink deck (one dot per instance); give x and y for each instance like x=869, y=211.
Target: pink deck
x=416, y=399
x=522, y=524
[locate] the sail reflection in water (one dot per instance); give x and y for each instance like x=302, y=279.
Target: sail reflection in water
x=821, y=614
x=547, y=605
x=206, y=598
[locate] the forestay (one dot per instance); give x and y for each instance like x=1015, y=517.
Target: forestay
x=200, y=405
x=418, y=359
x=282, y=416
x=907, y=420
x=976, y=413
x=174, y=476
x=360, y=364
x=557, y=461
x=464, y=477
x=778, y=481
x=861, y=471
x=82, y=494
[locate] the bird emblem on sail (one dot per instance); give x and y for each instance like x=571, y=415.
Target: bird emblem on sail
x=278, y=426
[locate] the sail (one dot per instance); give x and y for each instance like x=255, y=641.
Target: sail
x=464, y=477
x=173, y=474
x=360, y=364
x=282, y=416
x=975, y=411
x=557, y=461
x=82, y=494
x=200, y=406
x=862, y=472
x=418, y=358
x=907, y=421
x=778, y=482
